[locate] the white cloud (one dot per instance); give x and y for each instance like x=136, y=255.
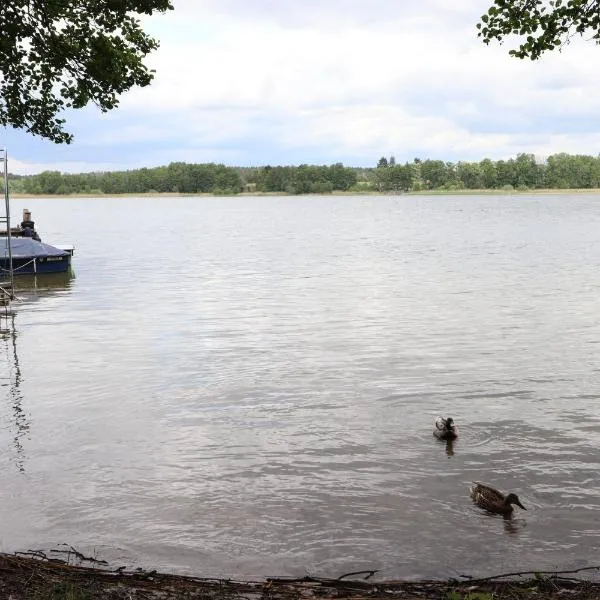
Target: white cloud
x=345, y=80
x=21, y=167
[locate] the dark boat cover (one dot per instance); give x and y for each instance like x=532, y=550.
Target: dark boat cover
x=23, y=247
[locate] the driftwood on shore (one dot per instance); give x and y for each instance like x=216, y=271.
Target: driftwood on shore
x=35, y=576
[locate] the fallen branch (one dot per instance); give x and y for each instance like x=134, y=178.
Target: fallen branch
x=531, y=574
x=369, y=574
x=79, y=555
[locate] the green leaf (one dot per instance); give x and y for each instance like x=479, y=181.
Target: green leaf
x=57, y=55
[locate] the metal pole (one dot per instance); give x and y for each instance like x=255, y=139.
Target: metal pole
x=8, y=239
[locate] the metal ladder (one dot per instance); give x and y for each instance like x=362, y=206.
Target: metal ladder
x=7, y=286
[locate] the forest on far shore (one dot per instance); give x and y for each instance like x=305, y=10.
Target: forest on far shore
x=559, y=171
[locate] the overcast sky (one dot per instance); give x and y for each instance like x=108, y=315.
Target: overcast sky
x=280, y=82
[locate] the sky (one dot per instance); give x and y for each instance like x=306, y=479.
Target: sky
x=282, y=82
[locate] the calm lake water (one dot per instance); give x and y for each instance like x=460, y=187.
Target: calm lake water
x=246, y=387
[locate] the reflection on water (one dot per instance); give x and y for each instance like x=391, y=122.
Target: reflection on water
x=19, y=420
x=513, y=525
x=28, y=288
x=43, y=282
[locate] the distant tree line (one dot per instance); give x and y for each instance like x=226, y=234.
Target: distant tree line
x=192, y=179
x=562, y=171
x=524, y=172
x=176, y=178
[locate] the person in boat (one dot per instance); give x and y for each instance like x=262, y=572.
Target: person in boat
x=30, y=233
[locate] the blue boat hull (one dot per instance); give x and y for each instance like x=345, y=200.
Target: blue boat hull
x=32, y=256
x=38, y=264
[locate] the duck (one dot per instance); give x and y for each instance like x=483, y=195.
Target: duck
x=445, y=429
x=492, y=500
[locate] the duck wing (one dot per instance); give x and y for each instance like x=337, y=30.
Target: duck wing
x=484, y=494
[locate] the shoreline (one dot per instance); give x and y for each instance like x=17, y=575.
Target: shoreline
x=465, y=192
x=32, y=575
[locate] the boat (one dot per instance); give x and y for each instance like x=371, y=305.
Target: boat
x=29, y=254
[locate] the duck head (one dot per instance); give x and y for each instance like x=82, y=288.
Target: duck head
x=513, y=499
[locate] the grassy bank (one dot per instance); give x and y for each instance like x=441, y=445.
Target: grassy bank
x=465, y=192
x=28, y=578
x=516, y=192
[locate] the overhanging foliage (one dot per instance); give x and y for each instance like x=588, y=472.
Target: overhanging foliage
x=544, y=25
x=58, y=54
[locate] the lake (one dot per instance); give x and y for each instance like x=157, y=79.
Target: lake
x=247, y=387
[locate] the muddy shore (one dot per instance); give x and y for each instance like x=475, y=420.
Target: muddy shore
x=27, y=577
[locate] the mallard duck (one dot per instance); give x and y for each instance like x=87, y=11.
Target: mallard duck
x=445, y=429
x=492, y=500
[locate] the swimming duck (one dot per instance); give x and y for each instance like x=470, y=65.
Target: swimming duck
x=492, y=500
x=445, y=429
